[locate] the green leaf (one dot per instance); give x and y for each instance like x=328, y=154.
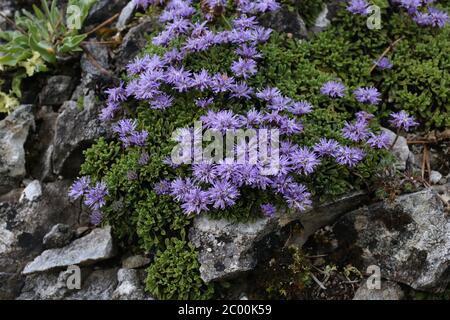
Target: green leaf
x=71, y=43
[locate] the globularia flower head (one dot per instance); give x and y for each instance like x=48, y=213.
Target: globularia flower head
x=333, y=89
x=326, y=147
x=360, y=7
x=369, y=95
x=96, y=217
x=358, y=131
x=96, y=196
x=403, y=121
x=204, y=172
x=244, y=68
x=223, y=194
x=349, y=156
x=79, y=188
x=268, y=210
x=195, y=201
x=380, y=141
x=384, y=63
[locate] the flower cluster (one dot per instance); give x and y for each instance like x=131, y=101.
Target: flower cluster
x=159, y=79
x=94, y=197
x=419, y=10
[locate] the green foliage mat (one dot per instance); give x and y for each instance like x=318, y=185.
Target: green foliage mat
x=419, y=83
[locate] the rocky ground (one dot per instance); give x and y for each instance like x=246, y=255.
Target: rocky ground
x=42, y=233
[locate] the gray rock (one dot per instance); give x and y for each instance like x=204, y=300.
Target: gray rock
x=45, y=286
x=286, y=21
x=104, y=9
x=409, y=239
x=125, y=16
x=24, y=224
x=389, y=291
x=32, y=192
x=135, y=262
x=435, y=177
x=59, y=236
x=227, y=249
x=96, y=246
x=99, y=285
x=75, y=131
x=57, y=90
x=10, y=284
x=400, y=149
x=14, y=130
x=95, y=285
x=131, y=285
x=134, y=41
x=96, y=62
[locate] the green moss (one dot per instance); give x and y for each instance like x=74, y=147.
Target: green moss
x=174, y=274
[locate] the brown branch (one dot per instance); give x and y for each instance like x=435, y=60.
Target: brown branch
x=103, y=24
x=391, y=46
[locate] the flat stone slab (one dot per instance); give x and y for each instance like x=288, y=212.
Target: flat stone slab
x=96, y=246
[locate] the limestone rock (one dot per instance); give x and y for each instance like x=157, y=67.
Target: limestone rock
x=96, y=246
x=14, y=130
x=408, y=239
x=59, y=236
x=389, y=291
x=227, y=249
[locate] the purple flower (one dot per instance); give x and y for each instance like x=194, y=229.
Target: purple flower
x=438, y=18
x=268, y=94
x=360, y=7
x=221, y=120
x=162, y=102
x=297, y=197
x=79, y=188
x=132, y=175
x=383, y=64
x=117, y=94
x=369, y=95
x=253, y=119
x=357, y=131
x=304, y=160
x=162, y=188
x=244, y=68
x=349, y=156
x=138, y=138
x=125, y=127
x=248, y=52
x=266, y=5
x=223, y=194
x=144, y=159
x=268, y=210
x=363, y=116
x=221, y=83
x=241, y=90
x=204, y=172
x=333, y=89
x=202, y=80
x=96, y=217
x=204, y=103
x=326, y=147
x=300, y=108
x=402, y=120
x=95, y=196
x=380, y=141
x=109, y=112
x=179, y=188
x=195, y=201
